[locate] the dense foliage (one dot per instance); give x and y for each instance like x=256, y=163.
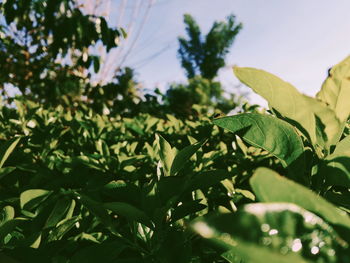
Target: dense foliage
x=202, y=57
x=46, y=48
x=100, y=174
x=78, y=186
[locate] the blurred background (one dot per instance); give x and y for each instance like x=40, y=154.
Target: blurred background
x=296, y=40
x=165, y=48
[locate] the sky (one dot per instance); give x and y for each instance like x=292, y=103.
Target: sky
x=297, y=40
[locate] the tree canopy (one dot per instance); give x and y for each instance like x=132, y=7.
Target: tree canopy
x=205, y=55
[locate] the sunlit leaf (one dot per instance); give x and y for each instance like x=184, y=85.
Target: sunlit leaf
x=166, y=153
x=59, y=211
x=272, y=232
x=268, y=186
x=33, y=197
x=335, y=91
x=7, y=148
x=271, y=134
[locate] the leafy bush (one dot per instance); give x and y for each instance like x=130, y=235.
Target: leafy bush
x=78, y=186
x=295, y=222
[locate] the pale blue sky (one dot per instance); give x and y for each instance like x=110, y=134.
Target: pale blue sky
x=298, y=40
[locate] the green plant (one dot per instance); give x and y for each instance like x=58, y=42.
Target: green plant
x=202, y=57
x=45, y=48
x=294, y=221
x=206, y=55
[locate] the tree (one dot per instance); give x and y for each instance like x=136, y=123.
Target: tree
x=45, y=48
x=202, y=57
x=206, y=55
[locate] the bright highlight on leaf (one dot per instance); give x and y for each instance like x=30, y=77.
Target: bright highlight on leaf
x=271, y=187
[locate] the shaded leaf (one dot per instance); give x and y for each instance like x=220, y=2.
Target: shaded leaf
x=129, y=211
x=186, y=209
x=108, y=251
x=6, y=170
x=183, y=156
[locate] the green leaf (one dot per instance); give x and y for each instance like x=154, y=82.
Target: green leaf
x=271, y=134
x=7, y=148
x=7, y=213
x=102, y=147
x=251, y=253
x=332, y=126
x=268, y=186
x=335, y=91
x=9, y=226
x=206, y=179
x=166, y=152
x=183, y=156
x=341, y=149
x=281, y=96
x=336, y=167
x=130, y=212
x=58, y=232
x=336, y=171
x=59, y=211
x=272, y=232
x=97, y=209
x=186, y=209
x=291, y=104
x=32, y=197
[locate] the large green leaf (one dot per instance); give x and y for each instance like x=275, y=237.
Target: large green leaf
x=335, y=90
x=268, y=186
x=252, y=253
x=281, y=96
x=272, y=134
x=291, y=104
x=273, y=232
